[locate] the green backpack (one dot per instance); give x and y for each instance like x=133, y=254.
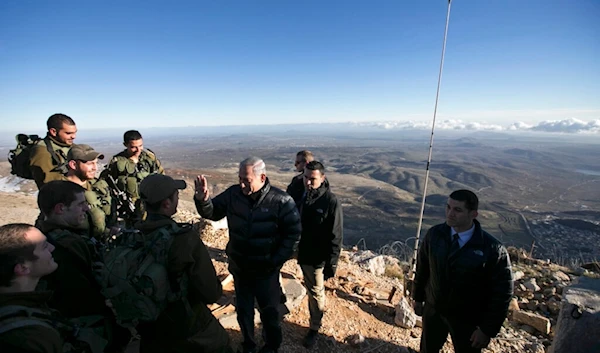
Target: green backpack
x=77, y=334
x=20, y=155
x=135, y=279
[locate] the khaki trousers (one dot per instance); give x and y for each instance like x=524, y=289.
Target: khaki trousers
x=315, y=284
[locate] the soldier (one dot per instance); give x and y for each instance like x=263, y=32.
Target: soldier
x=296, y=187
x=264, y=229
x=177, y=328
x=320, y=243
x=130, y=167
x=48, y=157
x=75, y=285
x=82, y=164
x=25, y=257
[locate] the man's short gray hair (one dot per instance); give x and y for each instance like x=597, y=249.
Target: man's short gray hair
x=258, y=165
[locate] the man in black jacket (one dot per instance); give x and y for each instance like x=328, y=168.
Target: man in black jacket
x=264, y=229
x=296, y=187
x=464, y=279
x=321, y=242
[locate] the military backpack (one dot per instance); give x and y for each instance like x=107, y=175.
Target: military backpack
x=135, y=279
x=19, y=156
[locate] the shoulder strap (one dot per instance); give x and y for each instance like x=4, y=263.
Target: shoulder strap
x=51, y=150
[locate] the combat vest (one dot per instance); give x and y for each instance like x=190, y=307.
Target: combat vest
x=77, y=334
x=135, y=279
x=129, y=174
x=102, y=213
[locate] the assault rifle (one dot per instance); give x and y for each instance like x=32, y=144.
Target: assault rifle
x=125, y=208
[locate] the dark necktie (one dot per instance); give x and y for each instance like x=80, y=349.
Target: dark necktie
x=455, y=246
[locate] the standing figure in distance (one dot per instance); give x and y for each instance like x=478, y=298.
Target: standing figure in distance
x=296, y=187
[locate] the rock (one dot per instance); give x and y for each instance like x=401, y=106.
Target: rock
x=517, y=275
x=549, y=291
x=513, y=305
x=535, y=348
x=355, y=339
x=370, y=261
x=538, y=296
x=553, y=306
x=531, y=284
x=294, y=293
x=532, y=305
x=536, y=321
x=521, y=287
x=405, y=316
x=530, y=330
x=561, y=276
x=578, y=324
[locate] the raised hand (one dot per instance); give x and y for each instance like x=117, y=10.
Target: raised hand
x=201, y=188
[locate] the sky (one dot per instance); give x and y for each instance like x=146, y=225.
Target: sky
x=139, y=64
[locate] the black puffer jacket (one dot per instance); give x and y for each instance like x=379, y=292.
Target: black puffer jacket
x=322, y=228
x=296, y=188
x=263, y=234
x=475, y=283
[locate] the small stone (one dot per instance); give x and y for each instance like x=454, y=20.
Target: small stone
x=355, y=339
x=532, y=285
x=549, y=291
x=513, y=305
x=561, y=276
x=517, y=275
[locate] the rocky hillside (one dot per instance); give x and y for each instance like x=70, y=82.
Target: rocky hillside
x=365, y=308
x=366, y=311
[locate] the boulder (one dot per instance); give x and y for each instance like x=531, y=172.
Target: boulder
x=578, y=324
x=536, y=321
x=405, y=315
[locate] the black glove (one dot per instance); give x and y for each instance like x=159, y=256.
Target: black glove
x=328, y=272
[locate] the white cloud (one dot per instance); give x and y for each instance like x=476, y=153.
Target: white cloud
x=569, y=126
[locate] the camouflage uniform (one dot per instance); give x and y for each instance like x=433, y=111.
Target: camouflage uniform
x=129, y=174
x=43, y=167
x=102, y=213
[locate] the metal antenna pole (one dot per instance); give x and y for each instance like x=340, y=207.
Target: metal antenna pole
x=413, y=266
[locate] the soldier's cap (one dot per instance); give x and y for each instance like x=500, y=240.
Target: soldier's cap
x=157, y=187
x=84, y=153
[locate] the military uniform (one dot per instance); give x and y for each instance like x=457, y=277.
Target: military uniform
x=75, y=253
x=76, y=290
x=45, y=167
x=102, y=213
x=30, y=338
x=178, y=329
x=129, y=175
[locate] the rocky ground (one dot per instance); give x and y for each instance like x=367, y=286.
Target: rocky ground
x=359, y=317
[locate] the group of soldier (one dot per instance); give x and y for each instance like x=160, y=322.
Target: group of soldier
x=50, y=273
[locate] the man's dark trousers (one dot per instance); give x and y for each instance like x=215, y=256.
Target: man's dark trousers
x=267, y=291
x=436, y=328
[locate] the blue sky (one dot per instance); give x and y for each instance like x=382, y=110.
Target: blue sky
x=135, y=64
